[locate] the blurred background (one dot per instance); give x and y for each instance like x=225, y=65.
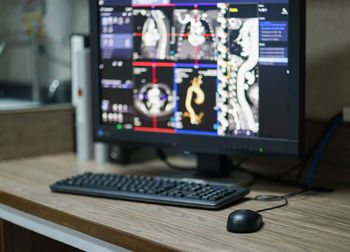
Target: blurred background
x=35, y=53
x=35, y=50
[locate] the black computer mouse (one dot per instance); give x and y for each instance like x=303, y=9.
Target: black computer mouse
x=244, y=221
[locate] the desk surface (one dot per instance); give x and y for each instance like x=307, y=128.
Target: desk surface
x=317, y=222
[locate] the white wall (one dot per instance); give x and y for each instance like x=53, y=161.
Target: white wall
x=328, y=57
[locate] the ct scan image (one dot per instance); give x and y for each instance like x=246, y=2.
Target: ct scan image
x=238, y=90
x=196, y=91
x=154, y=100
x=152, y=33
x=195, y=31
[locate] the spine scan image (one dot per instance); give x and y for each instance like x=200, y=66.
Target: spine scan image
x=238, y=90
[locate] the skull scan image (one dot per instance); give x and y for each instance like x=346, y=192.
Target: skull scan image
x=195, y=31
x=238, y=88
x=155, y=100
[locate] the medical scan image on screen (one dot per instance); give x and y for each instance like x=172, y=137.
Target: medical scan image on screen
x=195, y=67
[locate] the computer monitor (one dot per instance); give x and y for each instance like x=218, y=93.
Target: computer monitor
x=209, y=77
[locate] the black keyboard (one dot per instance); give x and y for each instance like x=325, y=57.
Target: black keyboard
x=161, y=190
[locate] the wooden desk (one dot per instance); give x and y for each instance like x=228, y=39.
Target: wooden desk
x=318, y=222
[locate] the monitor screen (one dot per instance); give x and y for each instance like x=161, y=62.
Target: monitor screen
x=205, y=76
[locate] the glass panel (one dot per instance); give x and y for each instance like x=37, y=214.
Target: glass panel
x=35, y=50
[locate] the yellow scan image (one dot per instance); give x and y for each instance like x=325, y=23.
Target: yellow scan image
x=200, y=98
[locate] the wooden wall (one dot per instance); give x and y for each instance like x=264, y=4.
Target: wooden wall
x=36, y=132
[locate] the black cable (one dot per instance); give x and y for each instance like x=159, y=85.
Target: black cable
x=336, y=120
x=301, y=165
x=241, y=161
x=325, y=132
x=310, y=152
x=320, y=149
x=300, y=173
x=264, y=177
x=284, y=182
x=277, y=198
x=291, y=169
x=275, y=207
x=161, y=154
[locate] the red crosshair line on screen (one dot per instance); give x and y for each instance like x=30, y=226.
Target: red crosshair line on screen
x=196, y=50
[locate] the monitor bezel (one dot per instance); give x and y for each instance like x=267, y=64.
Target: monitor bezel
x=211, y=144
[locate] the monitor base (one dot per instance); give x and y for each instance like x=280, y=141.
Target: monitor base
x=214, y=168
x=236, y=178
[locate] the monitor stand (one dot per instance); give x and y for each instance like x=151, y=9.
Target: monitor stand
x=214, y=168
